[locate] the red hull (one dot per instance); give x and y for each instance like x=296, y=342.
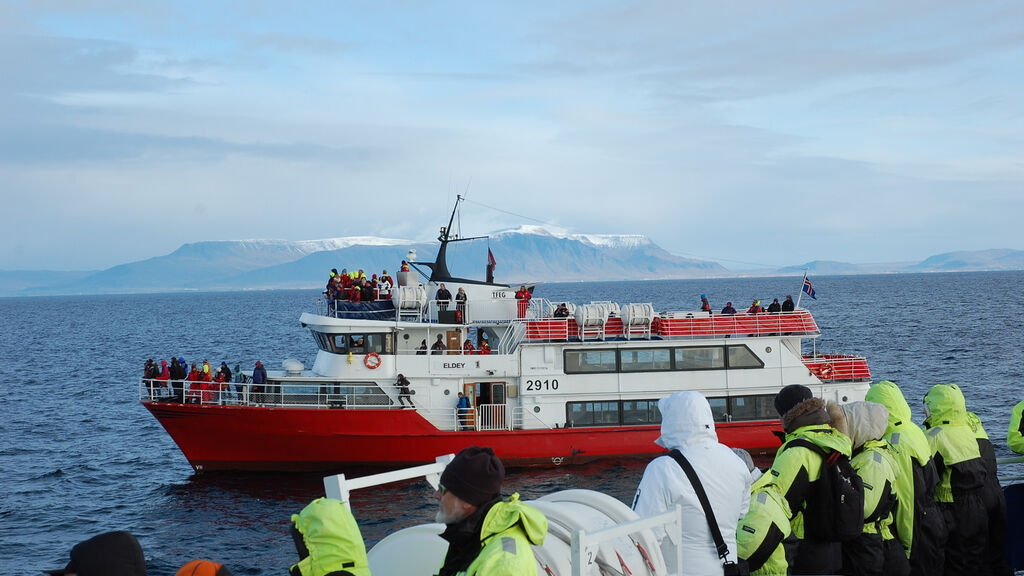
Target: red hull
x=290, y=439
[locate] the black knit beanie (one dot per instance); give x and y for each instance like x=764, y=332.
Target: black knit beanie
x=474, y=475
x=790, y=396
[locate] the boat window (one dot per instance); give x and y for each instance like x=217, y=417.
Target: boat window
x=592, y=414
x=719, y=408
x=589, y=361
x=700, y=358
x=640, y=412
x=760, y=407
x=645, y=359
x=743, y=357
x=359, y=343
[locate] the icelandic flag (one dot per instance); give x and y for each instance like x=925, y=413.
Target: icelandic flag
x=808, y=289
x=490, y=259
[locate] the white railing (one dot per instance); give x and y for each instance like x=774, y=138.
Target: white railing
x=277, y=394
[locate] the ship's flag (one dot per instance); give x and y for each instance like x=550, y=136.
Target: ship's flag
x=490, y=259
x=808, y=288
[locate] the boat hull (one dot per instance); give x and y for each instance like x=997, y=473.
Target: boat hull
x=296, y=439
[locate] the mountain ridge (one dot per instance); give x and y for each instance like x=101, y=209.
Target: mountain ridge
x=525, y=254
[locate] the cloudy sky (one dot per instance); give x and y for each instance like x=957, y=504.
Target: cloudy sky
x=742, y=132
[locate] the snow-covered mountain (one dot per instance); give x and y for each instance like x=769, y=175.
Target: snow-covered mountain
x=526, y=254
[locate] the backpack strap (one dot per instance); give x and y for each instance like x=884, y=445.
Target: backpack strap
x=709, y=514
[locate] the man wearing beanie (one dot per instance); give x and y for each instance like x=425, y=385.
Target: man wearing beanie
x=486, y=535
x=797, y=468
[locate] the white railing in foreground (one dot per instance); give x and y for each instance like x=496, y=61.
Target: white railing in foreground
x=585, y=544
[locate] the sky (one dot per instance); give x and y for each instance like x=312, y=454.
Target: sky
x=772, y=133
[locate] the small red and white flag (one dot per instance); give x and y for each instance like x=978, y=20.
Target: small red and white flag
x=490, y=260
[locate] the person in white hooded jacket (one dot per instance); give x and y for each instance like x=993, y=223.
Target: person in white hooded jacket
x=687, y=425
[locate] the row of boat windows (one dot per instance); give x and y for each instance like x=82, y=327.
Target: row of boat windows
x=641, y=412
x=660, y=359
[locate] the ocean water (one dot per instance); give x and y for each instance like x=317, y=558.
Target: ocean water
x=79, y=455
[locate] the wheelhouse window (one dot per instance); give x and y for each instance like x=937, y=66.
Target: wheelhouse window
x=590, y=361
x=355, y=343
x=700, y=358
x=645, y=359
x=743, y=357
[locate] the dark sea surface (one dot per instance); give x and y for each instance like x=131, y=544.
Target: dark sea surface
x=79, y=455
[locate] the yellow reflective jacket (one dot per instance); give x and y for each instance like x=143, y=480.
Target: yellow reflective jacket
x=1015, y=436
x=764, y=528
x=509, y=530
x=332, y=537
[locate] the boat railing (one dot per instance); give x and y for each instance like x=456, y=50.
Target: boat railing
x=277, y=394
x=838, y=367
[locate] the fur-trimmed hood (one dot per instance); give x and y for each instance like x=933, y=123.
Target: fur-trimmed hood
x=807, y=413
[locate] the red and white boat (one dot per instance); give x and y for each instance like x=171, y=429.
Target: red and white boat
x=552, y=391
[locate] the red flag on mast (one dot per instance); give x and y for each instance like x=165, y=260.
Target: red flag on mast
x=490, y=259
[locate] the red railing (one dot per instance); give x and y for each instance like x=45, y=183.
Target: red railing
x=697, y=326
x=831, y=367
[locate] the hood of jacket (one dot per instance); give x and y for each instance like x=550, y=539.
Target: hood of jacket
x=686, y=420
x=332, y=539
x=864, y=421
x=946, y=405
x=507, y=513
x=888, y=394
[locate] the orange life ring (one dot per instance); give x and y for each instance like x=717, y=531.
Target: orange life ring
x=372, y=361
x=826, y=371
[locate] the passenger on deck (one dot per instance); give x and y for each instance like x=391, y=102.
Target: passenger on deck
x=460, y=304
x=443, y=298
x=219, y=385
x=195, y=384
x=164, y=376
x=876, y=551
x=467, y=347
x=705, y=305
x=523, y=300
x=728, y=309
x=405, y=267
x=329, y=289
x=368, y=291
x=561, y=311
x=485, y=533
x=328, y=541
x=1015, y=435
x=110, y=553
x=755, y=308
x=462, y=410
x=259, y=381
x=775, y=307
x=485, y=346
x=963, y=474
x=688, y=430
x=788, y=305
x=355, y=293
x=384, y=286
x=918, y=521
x=422, y=350
x=206, y=382
x=402, y=383
x=438, y=346
x=804, y=416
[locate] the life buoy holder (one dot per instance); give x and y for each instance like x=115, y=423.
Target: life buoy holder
x=372, y=361
x=826, y=371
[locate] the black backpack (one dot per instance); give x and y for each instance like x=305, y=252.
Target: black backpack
x=835, y=502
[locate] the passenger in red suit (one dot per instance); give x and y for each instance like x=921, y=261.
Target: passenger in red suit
x=523, y=300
